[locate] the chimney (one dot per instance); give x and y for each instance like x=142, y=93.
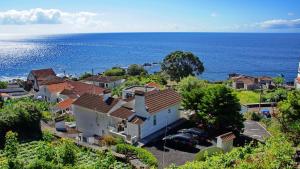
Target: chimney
x=140, y=105
x=106, y=94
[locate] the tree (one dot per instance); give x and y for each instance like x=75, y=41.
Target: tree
x=289, y=116
x=3, y=85
x=84, y=76
x=216, y=106
x=67, y=152
x=136, y=70
x=278, y=81
x=181, y=64
x=115, y=71
x=11, y=145
x=188, y=83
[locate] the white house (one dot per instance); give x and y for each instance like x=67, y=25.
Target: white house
x=37, y=78
x=225, y=141
x=297, y=80
x=132, y=119
x=104, y=81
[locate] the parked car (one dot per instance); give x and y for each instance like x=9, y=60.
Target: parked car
x=181, y=139
x=198, y=134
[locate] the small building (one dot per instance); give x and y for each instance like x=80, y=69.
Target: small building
x=37, y=78
x=129, y=92
x=249, y=82
x=225, y=141
x=132, y=119
x=104, y=81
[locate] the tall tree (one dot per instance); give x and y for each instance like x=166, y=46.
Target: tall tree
x=181, y=64
x=136, y=70
x=215, y=106
x=289, y=116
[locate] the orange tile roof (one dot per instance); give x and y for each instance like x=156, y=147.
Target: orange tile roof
x=59, y=87
x=65, y=104
x=122, y=112
x=227, y=136
x=160, y=100
x=137, y=120
x=4, y=95
x=42, y=73
x=153, y=84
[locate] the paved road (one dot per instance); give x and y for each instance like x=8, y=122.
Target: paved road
x=255, y=130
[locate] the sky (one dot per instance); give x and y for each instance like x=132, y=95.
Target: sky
x=89, y=16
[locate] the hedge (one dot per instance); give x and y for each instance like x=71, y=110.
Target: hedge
x=144, y=155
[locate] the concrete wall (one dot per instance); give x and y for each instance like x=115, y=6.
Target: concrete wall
x=30, y=77
x=132, y=130
x=225, y=145
x=91, y=123
x=163, y=118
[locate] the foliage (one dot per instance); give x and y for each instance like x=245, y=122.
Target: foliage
x=84, y=76
x=46, y=116
x=276, y=96
x=108, y=140
x=191, y=82
x=136, y=70
x=47, y=136
x=141, y=153
x=108, y=161
x=207, y=152
x=69, y=117
x=11, y=145
x=115, y=71
x=67, y=152
x=181, y=64
x=22, y=116
x=253, y=116
x=247, y=96
x=289, y=116
x=3, y=85
x=278, y=81
x=216, y=106
x=277, y=152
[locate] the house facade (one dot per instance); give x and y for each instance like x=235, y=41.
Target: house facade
x=246, y=82
x=37, y=78
x=108, y=82
x=132, y=119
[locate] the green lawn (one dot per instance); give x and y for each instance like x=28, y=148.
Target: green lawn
x=247, y=96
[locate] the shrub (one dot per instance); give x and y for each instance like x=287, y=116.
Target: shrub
x=11, y=145
x=207, y=152
x=85, y=75
x=46, y=116
x=115, y=71
x=47, y=136
x=42, y=164
x=253, y=116
x=136, y=70
x=141, y=153
x=109, y=140
x=67, y=152
x=3, y=85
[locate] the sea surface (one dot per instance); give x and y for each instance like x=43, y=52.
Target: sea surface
x=222, y=53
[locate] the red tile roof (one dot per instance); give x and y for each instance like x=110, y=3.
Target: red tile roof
x=122, y=112
x=161, y=100
x=227, y=136
x=95, y=102
x=153, y=84
x=69, y=93
x=42, y=73
x=65, y=104
x=50, y=80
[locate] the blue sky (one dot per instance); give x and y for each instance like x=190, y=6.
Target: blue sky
x=75, y=16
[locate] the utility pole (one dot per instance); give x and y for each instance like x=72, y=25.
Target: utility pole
x=93, y=81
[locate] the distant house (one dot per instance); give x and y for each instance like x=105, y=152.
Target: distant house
x=250, y=83
x=37, y=78
x=225, y=141
x=129, y=92
x=104, y=81
x=133, y=120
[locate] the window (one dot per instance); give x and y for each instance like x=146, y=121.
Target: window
x=154, y=120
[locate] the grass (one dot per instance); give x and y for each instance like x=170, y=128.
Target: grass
x=247, y=96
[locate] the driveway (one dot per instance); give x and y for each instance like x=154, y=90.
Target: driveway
x=255, y=130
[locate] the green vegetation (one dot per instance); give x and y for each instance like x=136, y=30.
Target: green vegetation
x=208, y=152
x=136, y=70
x=22, y=116
x=277, y=152
x=3, y=85
x=181, y=64
x=189, y=83
x=289, y=116
x=253, y=116
x=216, y=106
x=276, y=95
x=56, y=154
x=84, y=76
x=115, y=71
x=278, y=81
x=247, y=96
x=141, y=153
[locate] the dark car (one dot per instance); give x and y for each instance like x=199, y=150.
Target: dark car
x=181, y=139
x=196, y=133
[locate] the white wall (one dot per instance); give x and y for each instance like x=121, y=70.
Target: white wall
x=31, y=77
x=225, y=145
x=163, y=118
x=132, y=130
x=92, y=123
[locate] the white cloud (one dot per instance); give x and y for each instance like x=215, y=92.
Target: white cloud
x=44, y=16
x=281, y=23
x=290, y=14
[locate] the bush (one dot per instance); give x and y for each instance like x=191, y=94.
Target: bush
x=67, y=152
x=136, y=70
x=42, y=164
x=84, y=76
x=47, y=136
x=108, y=140
x=208, y=152
x=141, y=153
x=3, y=85
x=11, y=145
x=46, y=116
x=115, y=71
x=253, y=116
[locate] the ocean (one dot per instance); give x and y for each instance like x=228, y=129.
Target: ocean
x=254, y=54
